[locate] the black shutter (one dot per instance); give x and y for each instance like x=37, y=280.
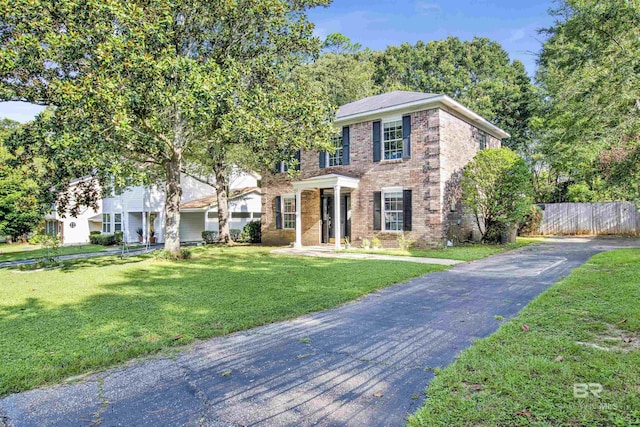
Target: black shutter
x=406, y=137
x=377, y=210
x=278, y=212
x=322, y=158
x=345, y=145
x=297, y=156
x=376, y=141
x=406, y=214
x=276, y=168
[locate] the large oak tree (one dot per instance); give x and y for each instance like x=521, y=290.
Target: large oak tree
x=136, y=84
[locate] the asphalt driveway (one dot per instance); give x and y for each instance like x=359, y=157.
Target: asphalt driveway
x=364, y=364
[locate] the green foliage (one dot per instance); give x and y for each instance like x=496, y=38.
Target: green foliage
x=21, y=206
x=366, y=243
x=117, y=236
x=210, y=237
x=215, y=293
x=163, y=254
x=185, y=253
x=477, y=73
x=235, y=234
x=589, y=72
x=51, y=245
x=102, y=239
x=252, y=232
x=496, y=187
x=514, y=378
x=579, y=193
x=339, y=43
x=375, y=242
x=531, y=221
x=404, y=243
x=140, y=85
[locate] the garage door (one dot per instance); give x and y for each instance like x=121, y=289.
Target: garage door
x=191, y=226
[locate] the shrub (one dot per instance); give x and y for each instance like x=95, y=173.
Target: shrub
x=404, y=243
x=118, y=237
x=375, y=242
x=210, y=237
x=36, y=239
x=531, y=222
x=366, y=243
x=235, y=234
x=252, y=232
x=92, y=233
x=166, y=255
x=496, y=188
x=102, y=239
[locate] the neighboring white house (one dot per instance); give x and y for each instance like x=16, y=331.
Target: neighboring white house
x=142, y=207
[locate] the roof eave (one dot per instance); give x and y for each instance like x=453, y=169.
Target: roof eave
x=421, y=104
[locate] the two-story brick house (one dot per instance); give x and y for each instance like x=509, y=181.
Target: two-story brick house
x=396, y=169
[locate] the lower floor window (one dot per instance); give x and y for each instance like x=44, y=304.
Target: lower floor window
x=52, y=228
x=117, y=222
x=106, y=223
x=393, y=210
x=289, y=212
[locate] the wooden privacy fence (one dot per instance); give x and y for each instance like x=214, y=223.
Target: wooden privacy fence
x=622, y=218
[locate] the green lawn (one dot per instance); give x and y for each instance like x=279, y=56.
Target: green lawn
x=19, y=252
x=464, y=252
x=585, y=329
x=97, y=312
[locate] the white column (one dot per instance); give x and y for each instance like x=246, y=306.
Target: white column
x=298, y=243
x=336, y=215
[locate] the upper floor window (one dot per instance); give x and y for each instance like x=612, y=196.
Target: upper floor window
x=106, y=223
x=481, y=139
x=392, y=139
x=335, y=158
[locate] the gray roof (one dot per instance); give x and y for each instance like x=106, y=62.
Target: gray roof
x=378, y=102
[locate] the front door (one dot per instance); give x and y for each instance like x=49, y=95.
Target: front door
x=327, y=213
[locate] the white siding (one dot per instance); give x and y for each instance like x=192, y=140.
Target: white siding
x=191, y=226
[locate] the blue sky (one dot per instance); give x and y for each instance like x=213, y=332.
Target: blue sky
x=378, y=23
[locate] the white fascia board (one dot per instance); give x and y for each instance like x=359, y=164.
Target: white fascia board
x=425, y=104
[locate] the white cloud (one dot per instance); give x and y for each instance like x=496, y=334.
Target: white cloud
x=424, y=7
x=19, y=111
x=518, y=34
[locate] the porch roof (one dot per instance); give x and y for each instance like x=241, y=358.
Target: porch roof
x=326, y=181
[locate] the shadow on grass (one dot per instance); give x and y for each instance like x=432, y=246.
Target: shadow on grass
x=102, y=311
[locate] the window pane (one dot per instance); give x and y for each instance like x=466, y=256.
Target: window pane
x=117, y=217
x=240, y=214
x=392, y=137
x=393, y=211
x=289, y=213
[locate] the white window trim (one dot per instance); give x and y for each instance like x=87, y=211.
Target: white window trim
x=283, y=198
x=383, y=212
x=383, y=141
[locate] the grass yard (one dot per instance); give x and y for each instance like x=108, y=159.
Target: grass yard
x=97, y=312
x=583, y=330
x=464, y=252
x=19, y=252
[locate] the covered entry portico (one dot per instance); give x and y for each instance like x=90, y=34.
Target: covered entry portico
x=323, y=182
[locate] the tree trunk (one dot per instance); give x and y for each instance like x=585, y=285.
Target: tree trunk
x=172, y=204
x=223, y=203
